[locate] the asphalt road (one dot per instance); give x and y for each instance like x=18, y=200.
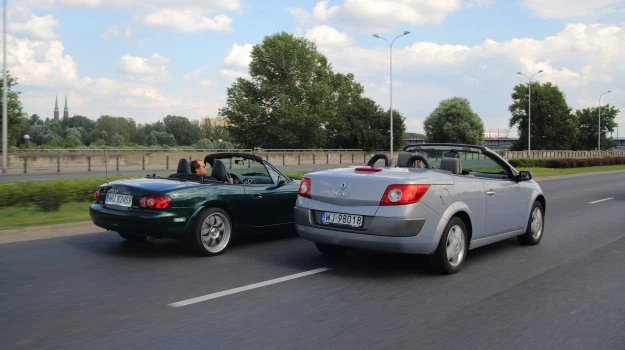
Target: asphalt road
x=97, y=291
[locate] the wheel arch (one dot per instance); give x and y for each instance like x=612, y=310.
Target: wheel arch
x=212, y=204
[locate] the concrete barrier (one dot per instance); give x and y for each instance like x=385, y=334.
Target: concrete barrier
x=77, y=162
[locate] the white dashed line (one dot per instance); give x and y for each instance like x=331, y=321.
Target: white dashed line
x=600, y=200
x=246, y=288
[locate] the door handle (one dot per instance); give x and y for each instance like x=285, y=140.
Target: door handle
x=490, y=193
x=257, y=196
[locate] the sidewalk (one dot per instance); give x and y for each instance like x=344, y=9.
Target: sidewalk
x=52, y=231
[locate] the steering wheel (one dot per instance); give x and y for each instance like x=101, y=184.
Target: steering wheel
x=235, y=179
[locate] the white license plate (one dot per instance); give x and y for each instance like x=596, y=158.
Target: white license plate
x=122, y=200
x=341, y=219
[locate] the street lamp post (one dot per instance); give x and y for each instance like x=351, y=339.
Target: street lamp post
x=390, y=47
x=4, y=88
x=599, y=127
x=529, y=108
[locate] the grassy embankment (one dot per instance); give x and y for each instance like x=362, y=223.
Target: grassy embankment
x=16, y=215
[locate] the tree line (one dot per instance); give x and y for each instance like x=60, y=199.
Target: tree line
x=293, y=99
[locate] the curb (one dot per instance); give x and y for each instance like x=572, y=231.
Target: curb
x=50, y=231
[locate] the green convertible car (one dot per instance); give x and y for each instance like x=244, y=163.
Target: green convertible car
x=243, y=193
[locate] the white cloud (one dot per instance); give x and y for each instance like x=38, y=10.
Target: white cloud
x=239, y=55
x=35, y=27
x=149, y=69
x=581, y=59
x=573, y=9
x=326, y=35
x=380, y=15
x=114, y=31
x=187, y=20
x=322, y=12
x=40, y=63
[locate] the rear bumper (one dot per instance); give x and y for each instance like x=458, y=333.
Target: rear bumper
x=391, y=234
x=150, y=223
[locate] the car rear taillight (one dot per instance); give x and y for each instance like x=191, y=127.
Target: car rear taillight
x=304, y=187
x=155, y=202
x=96, y=196
x=403, y=194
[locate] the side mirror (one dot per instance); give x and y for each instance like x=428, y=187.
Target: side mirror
x=281, y=182
x=523, y=176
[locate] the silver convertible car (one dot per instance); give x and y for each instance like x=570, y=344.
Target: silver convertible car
x=440, y=200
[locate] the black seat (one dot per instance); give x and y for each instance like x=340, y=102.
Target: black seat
x=184, y=167
x=220, y=173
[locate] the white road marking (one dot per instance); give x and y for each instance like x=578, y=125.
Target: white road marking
x=246, y=288
x=600, y=200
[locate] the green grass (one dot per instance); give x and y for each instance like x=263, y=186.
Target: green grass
x=20, y=216
x=547, y=172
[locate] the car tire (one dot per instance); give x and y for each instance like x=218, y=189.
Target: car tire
x=212, y=232
x=133, y=238
x=535, y=226
x=451, y=251
x=334, y=251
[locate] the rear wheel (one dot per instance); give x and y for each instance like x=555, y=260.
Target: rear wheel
x=133, y=238
x=452, y=248
x=212, y=232
x=535, y=226
x=330, y=250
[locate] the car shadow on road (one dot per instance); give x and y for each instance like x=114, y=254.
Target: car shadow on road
x=110, y=244
x=371, y=264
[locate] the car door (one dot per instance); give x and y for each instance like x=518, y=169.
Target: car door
x=506, y=199
x=268, y=205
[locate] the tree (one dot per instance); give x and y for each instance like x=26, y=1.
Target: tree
x=553, y=125
x=17, y=121
x=107, y=126
x=588, y=123
x=287, y=101
x=294, y=100
x=185, y=132
x=454, y=121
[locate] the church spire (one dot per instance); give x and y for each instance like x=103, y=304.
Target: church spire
x=56, y=108
x=65, y=110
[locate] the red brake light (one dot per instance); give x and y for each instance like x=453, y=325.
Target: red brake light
x=368, y=169
x=155, y=202
x=304, y=187
x=403, y=194
x=96, y=196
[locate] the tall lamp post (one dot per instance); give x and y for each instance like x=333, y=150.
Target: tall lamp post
x=4, y=88
x=599, y=127
x=529, y=108
x=390, y=47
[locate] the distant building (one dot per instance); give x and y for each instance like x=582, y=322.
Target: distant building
x=65, y=110
x=56, y=108
x=218, y=121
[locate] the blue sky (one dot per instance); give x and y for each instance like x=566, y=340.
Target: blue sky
x=148, y=58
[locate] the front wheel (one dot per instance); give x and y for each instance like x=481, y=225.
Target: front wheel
x=535, y=226
x=452, y=248
x=212, y=232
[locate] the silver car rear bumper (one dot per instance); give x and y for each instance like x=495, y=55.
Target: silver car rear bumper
x=391, y=234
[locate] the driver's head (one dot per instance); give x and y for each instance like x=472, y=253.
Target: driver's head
x=198, y=167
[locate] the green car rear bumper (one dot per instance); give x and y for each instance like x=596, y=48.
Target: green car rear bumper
x=170, y=223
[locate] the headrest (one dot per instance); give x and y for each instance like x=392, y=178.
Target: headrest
x=451, y=164
x=184, y=167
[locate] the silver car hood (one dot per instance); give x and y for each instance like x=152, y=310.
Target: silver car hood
x=346, y=186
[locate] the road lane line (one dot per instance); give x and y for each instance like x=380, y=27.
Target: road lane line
x=600, y=200
x=246, y=288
